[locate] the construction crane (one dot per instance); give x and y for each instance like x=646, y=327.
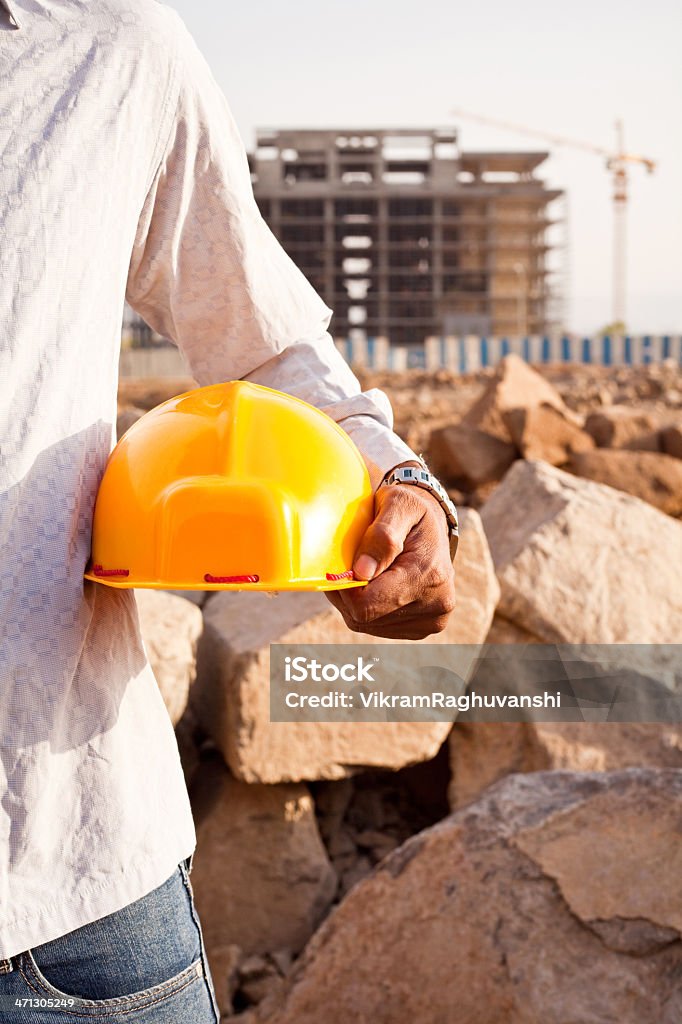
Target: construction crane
x=617, y=161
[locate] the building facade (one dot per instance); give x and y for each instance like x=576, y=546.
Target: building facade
x=405, y=236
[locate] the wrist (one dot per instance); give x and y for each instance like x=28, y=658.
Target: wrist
x=415, y=473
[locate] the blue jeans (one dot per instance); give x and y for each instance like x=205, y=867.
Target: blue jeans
x=145, y=964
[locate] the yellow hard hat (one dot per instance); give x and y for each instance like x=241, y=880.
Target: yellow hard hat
x=231, y=487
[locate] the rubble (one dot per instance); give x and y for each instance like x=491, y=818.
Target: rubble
x=363, y=819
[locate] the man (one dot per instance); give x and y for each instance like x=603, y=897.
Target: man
x=123, y=176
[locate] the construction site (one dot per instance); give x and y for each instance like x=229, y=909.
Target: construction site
x=406, y=236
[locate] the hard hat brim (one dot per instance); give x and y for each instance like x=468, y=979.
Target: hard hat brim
x=128, y=584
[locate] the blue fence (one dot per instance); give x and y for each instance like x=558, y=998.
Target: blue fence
x=468, y=354
x=459, y=355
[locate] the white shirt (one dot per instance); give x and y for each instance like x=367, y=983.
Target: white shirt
x=122, y=175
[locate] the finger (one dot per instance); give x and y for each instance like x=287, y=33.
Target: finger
x=439, y=608
x=411, y=629
x=407, y=580
x=334, y=597
x=415, y=629
x=413, y=610
x=433, y=603
x=397, y=512
x=393, y=588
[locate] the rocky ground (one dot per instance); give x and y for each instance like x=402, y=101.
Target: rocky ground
x=418, y=873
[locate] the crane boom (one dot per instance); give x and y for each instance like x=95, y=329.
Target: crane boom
x=558, y=140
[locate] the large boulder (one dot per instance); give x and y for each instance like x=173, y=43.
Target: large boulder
x=261, y=876
x=515, y=385
x=478, y=591
x=462, y=455
x=626, y=426
x=502, y=631
x=171, y=627
x=231, y=694
x=542, y=432
x=481, y=753
x=651, y=476
x=555, y=898
x=232, y=702
x=579, y=562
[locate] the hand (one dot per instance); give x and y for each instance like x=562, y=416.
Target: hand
x=405, y=553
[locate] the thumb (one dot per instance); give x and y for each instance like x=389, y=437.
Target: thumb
x=396, y=512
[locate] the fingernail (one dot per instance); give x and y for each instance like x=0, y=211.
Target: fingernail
x=365, y=567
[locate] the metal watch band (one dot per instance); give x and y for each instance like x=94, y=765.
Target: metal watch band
x=425, y=479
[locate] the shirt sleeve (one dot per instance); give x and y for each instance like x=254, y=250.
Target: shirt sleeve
x=207, y=272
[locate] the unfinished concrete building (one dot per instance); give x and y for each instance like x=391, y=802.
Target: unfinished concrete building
x=405, y=236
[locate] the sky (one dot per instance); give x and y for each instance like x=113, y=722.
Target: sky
x=568, y=69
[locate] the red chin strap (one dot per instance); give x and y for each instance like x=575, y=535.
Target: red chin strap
x=231, y=579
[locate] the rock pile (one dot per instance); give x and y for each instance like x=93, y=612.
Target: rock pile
x=425, y=401
x=520, y=414
x=518, y=871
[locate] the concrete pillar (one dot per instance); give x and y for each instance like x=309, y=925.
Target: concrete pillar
x=432, y=353
x=472, y=353
x=379, y=255
x=453, y=354
x=381, y=353
x=398, y=358
x=358, y=351
x=329, y=253
x=534, y=349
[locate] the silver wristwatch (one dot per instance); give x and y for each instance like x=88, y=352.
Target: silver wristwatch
x=425, y=479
